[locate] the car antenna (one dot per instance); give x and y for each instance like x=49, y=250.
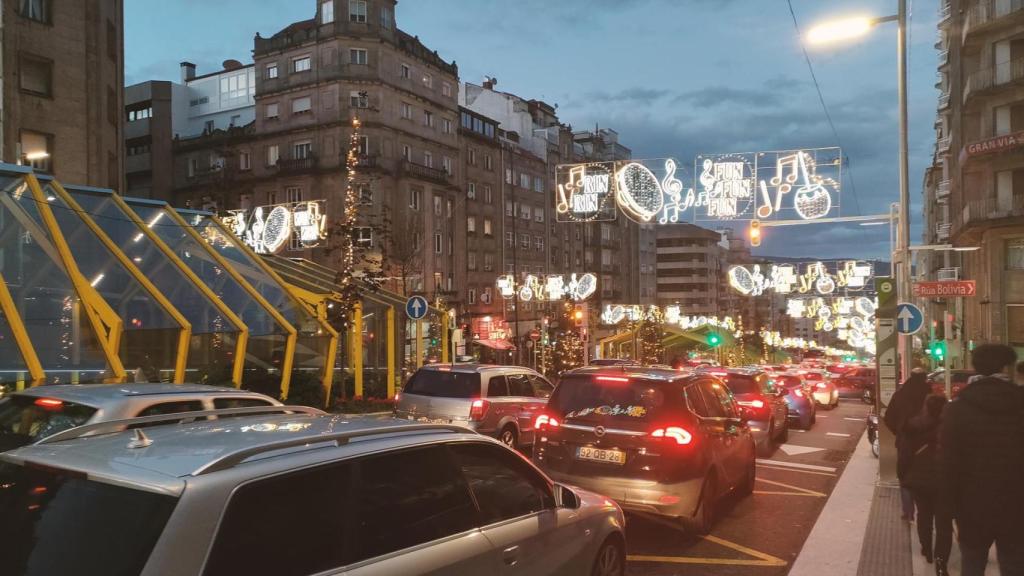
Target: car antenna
x=140, y=440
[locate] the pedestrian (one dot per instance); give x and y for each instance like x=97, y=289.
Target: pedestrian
x=906, y=403
x=923, y=478
x=981, y=447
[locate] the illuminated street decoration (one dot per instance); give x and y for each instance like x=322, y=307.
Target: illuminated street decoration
x=727, y=186
x=552, y=288
x=816, y=278
x=614, y=314
x=639, y=192
x=815, y=174
x=267, y=229
x=585, y=192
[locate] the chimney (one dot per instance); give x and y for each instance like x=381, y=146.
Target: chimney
x=188, y=71
x=490, y=83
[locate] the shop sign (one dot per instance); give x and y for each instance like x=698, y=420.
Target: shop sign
x=996, y=145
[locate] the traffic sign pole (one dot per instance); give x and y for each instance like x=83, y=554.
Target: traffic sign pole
x=886, y=362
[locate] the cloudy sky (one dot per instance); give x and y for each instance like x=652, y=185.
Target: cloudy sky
x=674, y=77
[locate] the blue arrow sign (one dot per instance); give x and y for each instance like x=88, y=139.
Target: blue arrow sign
x=909, y=318
x=416, y=307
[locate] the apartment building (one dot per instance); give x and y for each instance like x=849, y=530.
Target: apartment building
x=63, y=68
x=977, y=180
x=482, y=211
x=689, y=267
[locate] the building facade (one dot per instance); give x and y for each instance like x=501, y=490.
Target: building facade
x=63, y=69
x=690, y=268
x=975, y=189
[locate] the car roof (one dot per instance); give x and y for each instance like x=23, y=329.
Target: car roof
x=179, y=450
x=633, y=371
x=101, y=394
x=471, y=368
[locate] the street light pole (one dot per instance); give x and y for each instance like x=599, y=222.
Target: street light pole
x=903, y=285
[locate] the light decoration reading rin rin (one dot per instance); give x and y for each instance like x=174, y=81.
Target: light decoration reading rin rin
x=585, y=192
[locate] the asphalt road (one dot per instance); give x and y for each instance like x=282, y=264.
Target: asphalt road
x=760, y=535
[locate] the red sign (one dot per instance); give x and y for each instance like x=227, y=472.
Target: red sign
x=995, y=145
x=534, y=335
x=939, y=289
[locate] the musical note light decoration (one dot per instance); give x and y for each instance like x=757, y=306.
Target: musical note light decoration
x=585, y=192
x=553, y=288
x=817, y=277
x=267, y=229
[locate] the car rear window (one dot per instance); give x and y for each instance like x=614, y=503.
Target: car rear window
x=596, y=398
x=25, y=419
x=57, y=522
x=444, y=384
x=741, y=384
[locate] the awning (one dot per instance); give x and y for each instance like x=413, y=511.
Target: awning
x=496, y=344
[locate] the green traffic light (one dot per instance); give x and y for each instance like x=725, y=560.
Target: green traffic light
x=938, y=349
x=714, y=339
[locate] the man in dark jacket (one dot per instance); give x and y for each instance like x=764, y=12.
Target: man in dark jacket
x=906, y=403
x=982, y=452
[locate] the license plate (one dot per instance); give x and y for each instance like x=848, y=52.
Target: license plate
x=432, y=420
x=599, y=455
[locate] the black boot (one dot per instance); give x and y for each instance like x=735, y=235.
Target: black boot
x=926, y=551
x=940, y=567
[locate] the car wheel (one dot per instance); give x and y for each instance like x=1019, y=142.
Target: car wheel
x=704, y=520
x=611, y=558
x=508, y=437
x=767, y=446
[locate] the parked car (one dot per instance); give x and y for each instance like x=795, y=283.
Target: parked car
x=959, y=379
x=762, y=404
x=35, y=413
x=823, y=390
x=613, y=362
x=853, y=382
x=659, y=441
x=289, y=494
x=497, y=401
x=803, y=412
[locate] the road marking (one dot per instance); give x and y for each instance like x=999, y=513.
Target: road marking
x=799, y=471
x=821, y=415
x=854, y=419
x=797, y=465
x=841, y=435
x=794, y=450
x=799, y=491
x=797, y=430
x=762, y=559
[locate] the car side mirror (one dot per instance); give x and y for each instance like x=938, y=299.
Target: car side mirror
x=566, y=498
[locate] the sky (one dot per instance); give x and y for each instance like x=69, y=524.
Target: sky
x=675, y=78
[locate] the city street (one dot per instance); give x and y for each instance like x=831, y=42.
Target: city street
x=762, y=534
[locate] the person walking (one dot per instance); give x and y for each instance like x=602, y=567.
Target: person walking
x=906, y=403
x=923, y=478
x=981, y=448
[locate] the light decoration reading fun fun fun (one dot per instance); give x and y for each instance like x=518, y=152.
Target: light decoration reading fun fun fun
x=850, y=275
x=614, y=314
x=268, y=228
x=553, y=288
x=727, y=186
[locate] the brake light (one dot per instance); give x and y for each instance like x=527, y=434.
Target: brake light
x=398, y=397
x=799, y=393
x=751, y=403
x=545, y=421
x=820, y=385
x=478, y=409
x=680, y=435
x=49, y=403
x=611, y=379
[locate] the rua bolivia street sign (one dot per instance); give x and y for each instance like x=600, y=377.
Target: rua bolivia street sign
x=939, y=289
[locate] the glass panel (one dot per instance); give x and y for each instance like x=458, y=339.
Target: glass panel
x=150, y=344
x=211, y=349
x=60, y=330
x=12, y=364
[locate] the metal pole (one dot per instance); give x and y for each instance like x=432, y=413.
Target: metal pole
x=946, y=333
x=903, y=286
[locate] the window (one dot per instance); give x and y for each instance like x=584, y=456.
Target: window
x=36, y=150
x=293, y=194
x=510, y=239
x=358, y=56
x=471, y=224
x=228, y=403
x=438, y=243
x=244, y=161
x=1015, y=255
x=488, y=162
x=472, y=156
x=38, y=10
x=471, y=261
x=488, y=262
x=406, y=110
x=302, y=105
x=406, y=152
x=301, y=64
x=270, y=111
x=357, y=11
x=36, y=75
x=415, y=198
x=302, y=150
x=524, y=181
x=193, y=167
x=428, y=80
x=446, y=165
x=366, y=195
x=505, y=486
x=208, y=126
x=448, y=208
x=428, y=118
x=471, y=190
x=113, y=110
x=385, y=18
x=270, y=72
x=428, y=159
x=364, y=236
x=235, y=120
x=171, y=408
x=541, y=387
x=538, y=243
x=446, y=89
x=488, y=198
x=364, y=145
x=359, y=99
x=471, y=296
x=487, y=296
x=538, y=184
x=525, y=212
x=524, y=240
x=446, y=126
x=437, y=206
x=273, y=154
x=696, y=401
x=404, y=71
x=508, y=175
x=509, y=208
x=140, y=113
x=327, y=11
x=519, y=385
x=538, y=215
x=487, y=227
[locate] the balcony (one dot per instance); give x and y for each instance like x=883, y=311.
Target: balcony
x=943, y=57
x=944, y=101
x=942, y=232
x=293, y=165
x=610, y=243
x=986, y=212
x=990, y=13
x=414, y=170
x=940, y=39
x=945, y=13
x=942, y=145
x=1005, y=74
x=948, y=274
x=942, y=190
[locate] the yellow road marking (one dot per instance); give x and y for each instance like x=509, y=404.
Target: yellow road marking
x=796, y=470
x=761, y=559
x=798, y=490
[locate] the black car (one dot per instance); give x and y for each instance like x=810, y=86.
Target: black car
x=654, y=440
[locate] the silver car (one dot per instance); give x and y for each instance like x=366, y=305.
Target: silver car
x=296, y=493
x=498, y=401
x=35, y=413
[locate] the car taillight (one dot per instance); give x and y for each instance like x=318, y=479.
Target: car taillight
x=680, y=435
x=799, y=393
x=478, y=409
x=751, y=403
x=398, y=397
x=545, y=421
x=820, y=385
x=49, y=403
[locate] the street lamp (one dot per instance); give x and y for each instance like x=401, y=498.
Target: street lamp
x=850, y=28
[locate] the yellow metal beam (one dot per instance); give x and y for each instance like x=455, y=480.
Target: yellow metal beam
x=104, y=321
x=444, y=336
x=390, y=315
x=21, y=337
x=185, y=333
x=357, y=347
x=243, y=331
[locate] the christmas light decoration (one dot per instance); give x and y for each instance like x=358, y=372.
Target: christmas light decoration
x=576, y=288
x=814, y=194
x=585, y=192
x=783, y=279
x=639, y=192
x=727, y=186
x=614, y=314
x=268, y=235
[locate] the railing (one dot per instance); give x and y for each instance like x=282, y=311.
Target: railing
x=942, y=231
x=999, y=75
x=986, y=12
x=942, y=145
x=940, y=39
x=945, y=12
x=425, y=172
x=986, y=210
x=943, y=57
x=366, y=161
x=944, y=101
x=942, y=190
x=296, y=164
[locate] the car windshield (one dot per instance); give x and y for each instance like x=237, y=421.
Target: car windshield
x=788, y=381
x=25, y=419
x=59, y=522
x=743, y=384
x=595, y=398
x=444, y=384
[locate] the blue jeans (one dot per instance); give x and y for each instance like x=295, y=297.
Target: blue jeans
x=1009, y=554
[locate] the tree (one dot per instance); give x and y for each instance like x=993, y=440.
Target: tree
x=649, y=337
x=401, y=254
x=568, y=346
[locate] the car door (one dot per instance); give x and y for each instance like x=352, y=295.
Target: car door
x=503, y=407
x=714, y=425
x=733, y=441
x=526, y=406
x=530, y=535
x=780, y=409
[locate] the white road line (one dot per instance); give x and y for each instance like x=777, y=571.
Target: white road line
x=796, y=465
x=822, y=415
x=855, y=419
x=841, y=435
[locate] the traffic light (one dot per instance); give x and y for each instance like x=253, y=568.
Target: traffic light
x=937, y=349
x=755, y=232
x=714, y=339
x=577, y=316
